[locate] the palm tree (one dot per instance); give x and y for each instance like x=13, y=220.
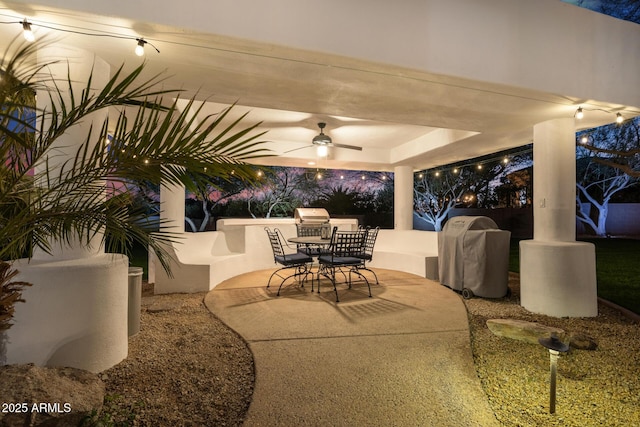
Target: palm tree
x=150, y=141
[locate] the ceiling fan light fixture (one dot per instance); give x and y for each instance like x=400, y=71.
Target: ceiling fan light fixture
x=321, y=138
x=322, y=150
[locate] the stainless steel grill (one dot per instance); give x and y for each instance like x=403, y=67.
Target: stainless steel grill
x=311, y=216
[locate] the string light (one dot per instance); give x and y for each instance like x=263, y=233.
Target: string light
x=26, y=31
x=140, y=47
x=501, y=158
x=580, y=113
x=28, y=34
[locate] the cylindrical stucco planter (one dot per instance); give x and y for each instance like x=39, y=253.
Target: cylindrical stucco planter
x=135, y=295
x=75, y=314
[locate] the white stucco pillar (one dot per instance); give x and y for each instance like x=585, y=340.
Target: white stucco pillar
x=75, y=314
x=557, y=274
x=172, y=205
x=403, y=198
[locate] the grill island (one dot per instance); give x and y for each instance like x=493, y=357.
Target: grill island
x=312, y=222
x=473, y=257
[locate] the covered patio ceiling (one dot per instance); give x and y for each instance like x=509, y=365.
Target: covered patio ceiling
x=399, y=116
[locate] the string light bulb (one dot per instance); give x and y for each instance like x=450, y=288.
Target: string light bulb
x=584, y=139
x=619, y=118
x=579, y=113
x=140, y=47
x=27, y=33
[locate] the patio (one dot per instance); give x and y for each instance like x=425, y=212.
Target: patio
x=400, y=358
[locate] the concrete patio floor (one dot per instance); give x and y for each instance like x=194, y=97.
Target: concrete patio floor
x=401, y=358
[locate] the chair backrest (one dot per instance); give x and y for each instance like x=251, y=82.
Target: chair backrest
x=276, y=243
x=347, y=243
x=370, y=241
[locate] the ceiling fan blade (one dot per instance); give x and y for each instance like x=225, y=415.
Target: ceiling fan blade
x=296, y=149
x=350, y=147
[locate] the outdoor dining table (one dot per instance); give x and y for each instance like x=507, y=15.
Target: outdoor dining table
x=309, y=241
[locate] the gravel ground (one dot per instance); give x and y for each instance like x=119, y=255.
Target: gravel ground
x=594, y=388
x=186, y=368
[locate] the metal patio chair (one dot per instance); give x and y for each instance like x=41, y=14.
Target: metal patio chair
x=345, y=246
x=298, y=262
x=304, y=230
x=367, y=255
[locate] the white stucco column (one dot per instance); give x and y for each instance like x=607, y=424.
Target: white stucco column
x=557, y=274
x=75, y=314
x=403, y=198
x=172, y=205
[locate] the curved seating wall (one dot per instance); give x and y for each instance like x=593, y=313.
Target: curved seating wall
x=203, y=260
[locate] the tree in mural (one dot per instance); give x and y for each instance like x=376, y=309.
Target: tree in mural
x=275, y=193
x=436, y=193
x=608, y=163
x=472, y=184
x=210, y=196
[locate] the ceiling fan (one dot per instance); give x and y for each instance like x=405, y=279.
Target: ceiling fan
x=322, y=139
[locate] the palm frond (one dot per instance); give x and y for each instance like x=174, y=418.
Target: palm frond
x=47, y=196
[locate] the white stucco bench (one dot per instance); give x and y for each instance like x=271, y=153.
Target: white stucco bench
x=203, y=260
x=411, y=251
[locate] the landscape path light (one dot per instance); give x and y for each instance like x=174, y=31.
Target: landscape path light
x=555, y=347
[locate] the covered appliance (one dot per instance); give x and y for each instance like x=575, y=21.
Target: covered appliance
x=473, y=257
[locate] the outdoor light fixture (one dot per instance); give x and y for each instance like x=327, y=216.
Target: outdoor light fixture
x=27, y=33
x=322, y=150
x=140, y=46
x=580, y=113
x=555, y=347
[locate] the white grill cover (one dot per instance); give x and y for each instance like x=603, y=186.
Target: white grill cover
x=474, y=254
